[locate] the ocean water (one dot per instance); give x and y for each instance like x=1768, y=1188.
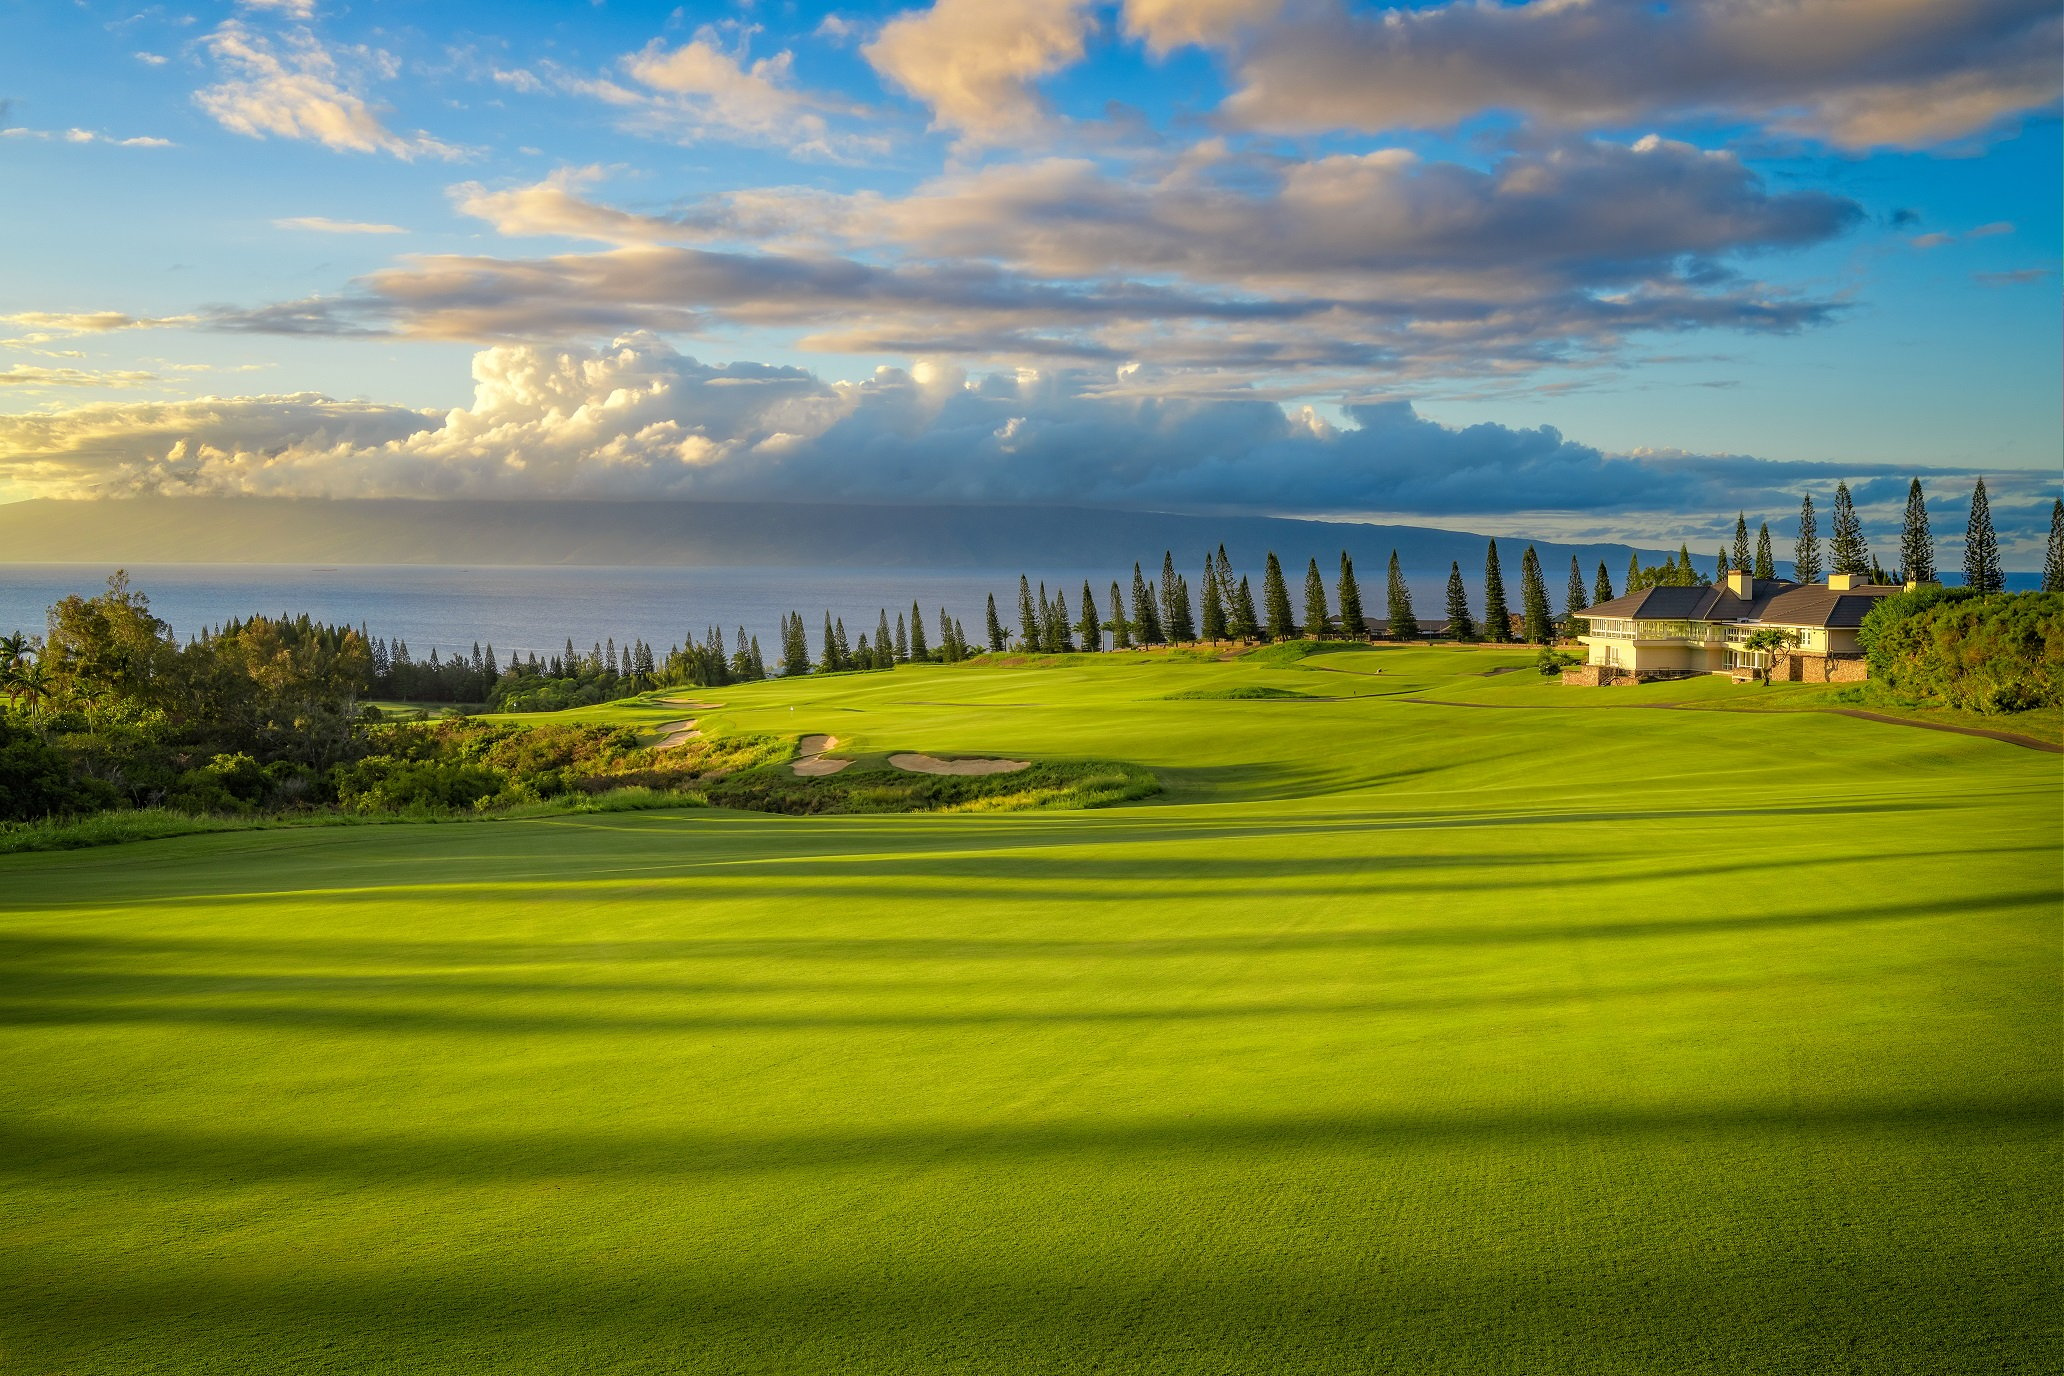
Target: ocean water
x=524, y=609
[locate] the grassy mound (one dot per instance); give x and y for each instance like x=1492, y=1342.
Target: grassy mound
x=881, y=789
x=1246, y=692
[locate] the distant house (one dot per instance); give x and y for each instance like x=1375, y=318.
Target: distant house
x=1430, y=628
x=1680, y=632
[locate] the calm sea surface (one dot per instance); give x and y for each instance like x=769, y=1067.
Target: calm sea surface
x=522, y=610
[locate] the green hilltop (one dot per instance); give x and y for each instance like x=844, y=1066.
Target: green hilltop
x=1415, y=1013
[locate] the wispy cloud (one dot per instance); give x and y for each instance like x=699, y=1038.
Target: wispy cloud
x=28, y=376
x=291, y=86
x=321, y=224
x=84, y=136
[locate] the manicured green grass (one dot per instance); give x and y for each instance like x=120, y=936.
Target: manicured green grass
x=1392, y=1036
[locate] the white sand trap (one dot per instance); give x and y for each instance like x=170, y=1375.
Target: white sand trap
x=810, y=762
x=676, y=733
x=932, y=764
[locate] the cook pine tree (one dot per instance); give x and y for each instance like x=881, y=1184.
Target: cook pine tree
x=1121, y=629
x=1404, y=624
x=1601, y=590
x=1847, y=550
x=1806, y=565
x=1497, y=618
x=1461, y=628
x=1766, y=563
x=1916, y=541
x=2053, y=553
x=1028, y=616
x=1981, y=548
x=1214, y=617
x=1574, y=597
x=1352, y=621
x=1533, y=593
x=1317, y=619
x=918, y=649
x=1146, y=621
x=1742, y=556
x=994, y=629
x=1275, y=601
x=1089, y=628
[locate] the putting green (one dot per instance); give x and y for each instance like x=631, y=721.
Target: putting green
x=1393, y=1036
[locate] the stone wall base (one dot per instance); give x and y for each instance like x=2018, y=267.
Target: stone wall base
x=1798, y=667
x=1612, y=676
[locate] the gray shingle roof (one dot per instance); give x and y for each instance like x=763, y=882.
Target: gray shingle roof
x=1774, y=602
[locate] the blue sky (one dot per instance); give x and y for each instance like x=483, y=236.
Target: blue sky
x=1562, y=268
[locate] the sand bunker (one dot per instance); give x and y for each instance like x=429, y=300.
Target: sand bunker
x=932, y=764
x=810, y=762
x=676, y=733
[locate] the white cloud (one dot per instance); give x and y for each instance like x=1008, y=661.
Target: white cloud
x=295, y=88
x=320, y=224
x=637, y=419
x=1168, y=24
x=91, y=322
x=152, y=59
x=292, y=9
x=76, y=135
x=974, y=61
x=28, y=376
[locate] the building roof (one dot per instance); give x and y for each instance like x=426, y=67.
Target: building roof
x=1772, y=602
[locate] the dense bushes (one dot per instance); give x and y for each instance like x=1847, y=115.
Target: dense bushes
x=1992, y=652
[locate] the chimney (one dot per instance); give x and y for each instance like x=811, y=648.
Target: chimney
x=1742, y=584
x=1842, y=582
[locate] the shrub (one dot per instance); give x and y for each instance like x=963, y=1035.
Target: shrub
x=1992, y=652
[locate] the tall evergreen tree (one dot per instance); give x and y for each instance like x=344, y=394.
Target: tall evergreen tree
x=1353, y=623
x=1121, y=628
x=1245, y=624
x=918, y=649
x=795, y=647
x=759, y=663
x=1029, y=631
x=1766, y=562
x=1533, y=593
x=1806, y=565
x=1317, y=617
x=902, y=640
x=1601, y=590
x=1461, y=627
x=1743, y=559
x=1404, y=624
x=829, y=662
x=1634, y=571
x=1146, y=624
x=949, y=639
x=1214, y=617
x=1229, y=595
x=1275, y=601
x=2053, y=552
x=1185, y=626
x=1089, y=628
x=997, y=637
x=1916, y=541
x=1848, y=550
x=1575, y=599
x=1981, y=548
x=1057, y=638
x=1169, y=621
x=884, y=641
x=1497, y=618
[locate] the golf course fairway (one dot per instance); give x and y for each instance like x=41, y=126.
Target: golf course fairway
x=1430, y=1020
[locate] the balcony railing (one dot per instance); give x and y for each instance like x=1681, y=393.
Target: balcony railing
x=1702, y=631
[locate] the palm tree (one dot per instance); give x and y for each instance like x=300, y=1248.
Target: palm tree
x=31, y=681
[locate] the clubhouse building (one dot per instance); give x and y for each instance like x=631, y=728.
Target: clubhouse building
x=1659, y=633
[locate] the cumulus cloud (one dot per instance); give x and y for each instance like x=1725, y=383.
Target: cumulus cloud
x=293, y=87
x=638, y=419
x=322, y=224
x=974, y=61
x=1164, y=25
x=1858, y=73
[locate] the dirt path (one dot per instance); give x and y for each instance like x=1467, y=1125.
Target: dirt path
x=810, y=762
x=931, y=764
x=2007, y=737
